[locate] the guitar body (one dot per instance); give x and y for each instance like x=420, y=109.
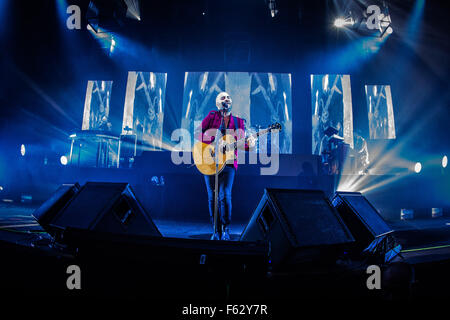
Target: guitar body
x=204, y=156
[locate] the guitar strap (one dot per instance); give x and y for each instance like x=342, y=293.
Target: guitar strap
x=236, y=128
x=235, y=124
x=211, y=120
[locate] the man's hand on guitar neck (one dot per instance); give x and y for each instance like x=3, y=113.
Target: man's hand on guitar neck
x=251, y=141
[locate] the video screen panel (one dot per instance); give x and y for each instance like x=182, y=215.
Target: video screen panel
x=144, y=107
x=259, y=98
x=380, y=112
x=331, y=98
x=96, y=105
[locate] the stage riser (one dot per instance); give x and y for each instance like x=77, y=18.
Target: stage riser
x=183, y=194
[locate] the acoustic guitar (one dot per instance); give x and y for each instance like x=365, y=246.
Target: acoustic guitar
x=205, y=154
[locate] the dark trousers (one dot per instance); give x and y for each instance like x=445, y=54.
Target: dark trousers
x=226, y=178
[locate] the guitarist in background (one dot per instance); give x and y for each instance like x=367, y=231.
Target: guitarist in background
x=223, y=120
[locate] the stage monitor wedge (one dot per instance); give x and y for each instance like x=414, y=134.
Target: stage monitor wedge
x=55, y=204
x=298, y=224
x=103, y=207
x=360, y=216
x=371, y=232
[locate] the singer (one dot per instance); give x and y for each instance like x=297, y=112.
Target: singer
x=223, y=120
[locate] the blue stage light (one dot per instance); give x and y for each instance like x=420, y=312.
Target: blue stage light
x=62, y=9
x=106, y=39
x=63, y=160
x=418, y=167
x=444, y=161
x=23, y=150
x=415, y=22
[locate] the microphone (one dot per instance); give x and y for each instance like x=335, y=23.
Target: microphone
x=225, y=106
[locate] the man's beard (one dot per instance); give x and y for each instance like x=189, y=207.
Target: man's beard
x=226, y=108
x=225, y=111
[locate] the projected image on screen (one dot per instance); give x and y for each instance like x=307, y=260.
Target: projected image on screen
x=259, y=98
x=380, y=112
x=331, y=108
x=96, y=106
x=144, y=107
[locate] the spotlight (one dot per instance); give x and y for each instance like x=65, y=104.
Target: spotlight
x=343, y=22
x=339, y=22
x=133, y=10
x=63, y=160
x=444, y=161
x=437, y=212
x=272, y=8
x=418, y=167
x=367, y=18
x=406, y=214
x=22, y=150
x=113, y=44
x=1, y=188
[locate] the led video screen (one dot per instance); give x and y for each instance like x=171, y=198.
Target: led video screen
x=331, y=107
x=259, y=98
x=96, y=106
x=144, y=107
x=380, y=112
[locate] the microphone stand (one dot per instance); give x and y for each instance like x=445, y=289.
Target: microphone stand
x=216, y=180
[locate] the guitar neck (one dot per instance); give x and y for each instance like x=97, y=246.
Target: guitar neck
x=256, y=135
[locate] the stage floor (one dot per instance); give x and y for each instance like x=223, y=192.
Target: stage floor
x=16, y=218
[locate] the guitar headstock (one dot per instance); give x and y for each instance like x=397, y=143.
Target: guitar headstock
x=275, y=126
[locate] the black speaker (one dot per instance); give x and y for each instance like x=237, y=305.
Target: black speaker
x=99, y=206
x=298, y=225
x=127, y=149
x=371, y=232
x=50, y=208
x=175, y=254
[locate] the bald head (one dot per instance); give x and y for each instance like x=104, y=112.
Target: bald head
x=223, y=101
